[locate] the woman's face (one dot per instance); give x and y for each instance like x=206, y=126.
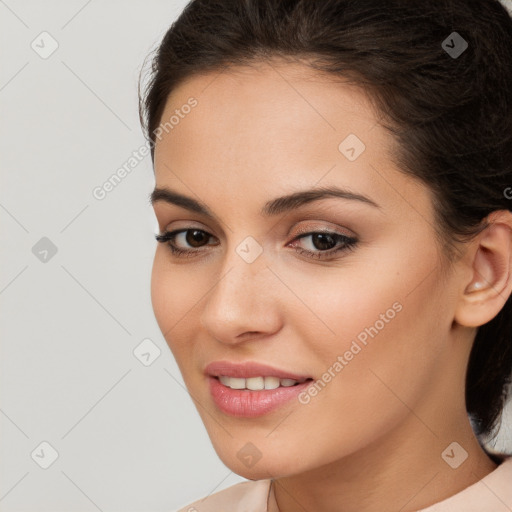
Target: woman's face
x=361, y=311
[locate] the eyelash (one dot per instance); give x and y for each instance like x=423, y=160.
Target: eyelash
x=349, y=243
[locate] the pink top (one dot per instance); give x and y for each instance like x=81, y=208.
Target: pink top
x=493, y=493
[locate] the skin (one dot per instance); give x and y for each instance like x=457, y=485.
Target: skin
x=372, y=439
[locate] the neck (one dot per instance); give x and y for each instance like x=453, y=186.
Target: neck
x=405, y=471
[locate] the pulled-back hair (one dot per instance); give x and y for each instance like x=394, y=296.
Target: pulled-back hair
x=450, y=114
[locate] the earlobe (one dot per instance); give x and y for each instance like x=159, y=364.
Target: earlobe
x=491, y=268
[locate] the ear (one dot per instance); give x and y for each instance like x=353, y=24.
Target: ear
x=490, y=281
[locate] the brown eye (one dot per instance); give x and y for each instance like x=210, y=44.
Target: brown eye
x=323, y=241
x=324, y=244
x=195, y=237
x=192, y=237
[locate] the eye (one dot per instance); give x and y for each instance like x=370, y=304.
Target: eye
x=323, y=244
x=192, y=236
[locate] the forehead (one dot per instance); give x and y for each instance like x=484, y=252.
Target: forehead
x=273, y=128
x=271, y=99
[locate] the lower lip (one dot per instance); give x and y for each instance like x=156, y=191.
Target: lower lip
x=245, y=403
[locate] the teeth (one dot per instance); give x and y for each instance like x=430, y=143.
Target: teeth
x=236, y=383
x=256, y=383
x=271, y=382
x=224, y=380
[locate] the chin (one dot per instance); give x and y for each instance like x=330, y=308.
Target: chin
x=261, y=469
x=254, y=464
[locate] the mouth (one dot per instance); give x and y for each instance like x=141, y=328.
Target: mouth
x=252, y=370
x=252, y=389
x=258, y=383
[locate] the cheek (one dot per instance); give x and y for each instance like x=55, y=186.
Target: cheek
x=362, y=387
x=173, y=297
x=356, y=301
x=389, y=294
x=162, y=301
x=376, y=328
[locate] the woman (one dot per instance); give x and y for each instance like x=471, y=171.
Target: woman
x=333, y=194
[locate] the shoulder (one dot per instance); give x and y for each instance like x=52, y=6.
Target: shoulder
x=250, y=496
x=493, y=493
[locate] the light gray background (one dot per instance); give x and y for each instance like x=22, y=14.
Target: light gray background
x=127, y=435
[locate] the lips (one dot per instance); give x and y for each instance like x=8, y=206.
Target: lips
x=252, y=389
x=250, y=369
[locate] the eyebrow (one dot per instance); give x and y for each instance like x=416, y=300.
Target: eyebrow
x=273, y=207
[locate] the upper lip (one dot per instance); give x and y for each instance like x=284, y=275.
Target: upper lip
x=249, y=369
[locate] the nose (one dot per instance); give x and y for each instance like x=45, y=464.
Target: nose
x=244, y=302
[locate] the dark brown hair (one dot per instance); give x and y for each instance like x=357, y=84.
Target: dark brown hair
x=451, y=115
